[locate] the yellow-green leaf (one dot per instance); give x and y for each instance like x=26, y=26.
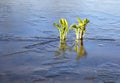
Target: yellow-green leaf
x=79, y=20
x=56, y=25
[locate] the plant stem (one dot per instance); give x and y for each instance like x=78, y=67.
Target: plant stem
x=60, y=35
x=81, y=35
x=77, y=34
x=81, y=43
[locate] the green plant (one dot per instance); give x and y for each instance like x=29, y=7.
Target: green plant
x=62, y=26
x=80, y=28
x=77, y=30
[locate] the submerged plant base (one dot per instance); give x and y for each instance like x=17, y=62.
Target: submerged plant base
x=62, y=41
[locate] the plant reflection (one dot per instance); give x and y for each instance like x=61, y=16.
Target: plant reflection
x=61, y=52
x=79, y=48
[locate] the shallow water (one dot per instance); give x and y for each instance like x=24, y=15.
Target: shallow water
x=30, y=50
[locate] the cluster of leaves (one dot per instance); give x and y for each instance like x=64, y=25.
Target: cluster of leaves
x=79, y=28
x=62, y=26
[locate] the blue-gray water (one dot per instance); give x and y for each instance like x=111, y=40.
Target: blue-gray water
x=35, y=17
x=29, y=43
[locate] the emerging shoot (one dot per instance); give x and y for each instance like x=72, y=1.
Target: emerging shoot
x=80, y=28
x=63, y=28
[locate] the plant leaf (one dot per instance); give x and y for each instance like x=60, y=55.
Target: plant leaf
x=66, y=25
x=86, y=21
x=74, y=26
x=61, y=21
x=79, y=20
x=57, y=25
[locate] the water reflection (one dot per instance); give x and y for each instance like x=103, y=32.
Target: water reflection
x=62, y=48
x=79, y=48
